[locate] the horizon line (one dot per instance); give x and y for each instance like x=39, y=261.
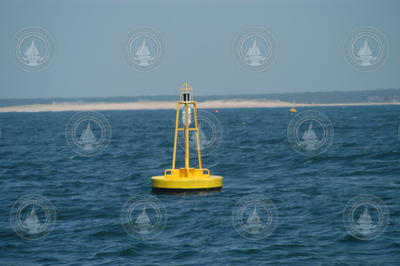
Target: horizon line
x=207, y=95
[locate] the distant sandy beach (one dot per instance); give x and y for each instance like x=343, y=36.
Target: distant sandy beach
x=160, y=105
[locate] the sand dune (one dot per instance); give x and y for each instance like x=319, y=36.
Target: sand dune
x=159, y=105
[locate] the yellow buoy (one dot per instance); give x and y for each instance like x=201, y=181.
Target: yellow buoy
x=293, y=108
x=187, y=178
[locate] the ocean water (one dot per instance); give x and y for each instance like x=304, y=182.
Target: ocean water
x=310, y=192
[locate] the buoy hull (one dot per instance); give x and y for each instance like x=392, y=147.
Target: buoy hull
x=169, y=191
x=163, y=183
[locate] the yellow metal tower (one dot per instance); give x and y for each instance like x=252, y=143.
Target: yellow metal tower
x=186, y=179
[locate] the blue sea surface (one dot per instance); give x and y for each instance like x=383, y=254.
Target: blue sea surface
x=254, y=157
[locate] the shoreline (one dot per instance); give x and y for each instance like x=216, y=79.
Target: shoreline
x=165, y=105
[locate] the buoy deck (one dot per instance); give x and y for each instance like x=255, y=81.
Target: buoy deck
x=187, y=179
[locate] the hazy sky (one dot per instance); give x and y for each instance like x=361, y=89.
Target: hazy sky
x=199, y=35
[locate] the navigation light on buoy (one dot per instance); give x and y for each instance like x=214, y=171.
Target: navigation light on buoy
x=187, y=178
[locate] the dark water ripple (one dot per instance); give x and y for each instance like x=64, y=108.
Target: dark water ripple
x=254, y=157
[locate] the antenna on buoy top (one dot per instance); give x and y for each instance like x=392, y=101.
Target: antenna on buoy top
x=187, y=178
